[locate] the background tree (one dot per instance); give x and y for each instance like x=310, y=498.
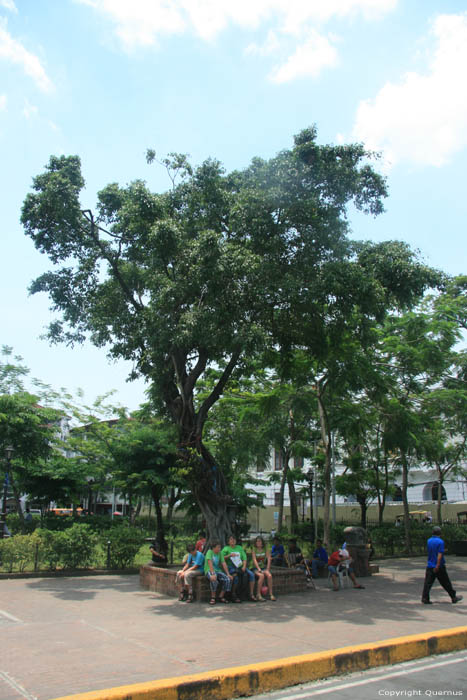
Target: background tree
x=31, y=430
x=146, y=462
x=418, y=348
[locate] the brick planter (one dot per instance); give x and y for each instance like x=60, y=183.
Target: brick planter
x=161, y=580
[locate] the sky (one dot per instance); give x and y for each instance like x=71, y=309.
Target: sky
x=229, y=79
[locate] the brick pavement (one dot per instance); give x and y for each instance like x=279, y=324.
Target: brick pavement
x=68, y=635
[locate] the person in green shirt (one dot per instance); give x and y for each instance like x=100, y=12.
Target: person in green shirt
x=234, y=556
x=217, y=573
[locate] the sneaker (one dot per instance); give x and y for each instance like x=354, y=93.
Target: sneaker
x=427, y=602
x=457, y=598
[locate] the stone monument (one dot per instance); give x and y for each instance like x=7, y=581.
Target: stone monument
x=356, y=540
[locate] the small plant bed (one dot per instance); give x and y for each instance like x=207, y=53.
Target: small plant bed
x=78, y=548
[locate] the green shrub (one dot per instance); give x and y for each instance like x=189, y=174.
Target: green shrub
x=304, y=531
x=77, y=546
x=49, y=551
x=72, y=548
x=125, y=543
x=18, y=552
x=14, y=524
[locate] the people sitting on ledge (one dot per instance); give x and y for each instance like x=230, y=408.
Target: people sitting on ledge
x=319, y=560
x=194, y=566
x=158, y=549
x=201, y=542
x=295, y=559
x=217, y=574
x=261, y=559
x=234, y=556
x=277, y=553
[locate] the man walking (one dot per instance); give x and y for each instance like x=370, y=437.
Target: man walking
x=436, y=568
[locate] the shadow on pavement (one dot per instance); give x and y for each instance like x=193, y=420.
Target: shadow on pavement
x=393, y=595
x=86, y=587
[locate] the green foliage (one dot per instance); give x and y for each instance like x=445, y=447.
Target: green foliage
x=125, y=543
x=77, y=547
x=12, y=371
x=17, y=552
x=388, y=540
x=27, y=427
x=15, y=526
x=73, y=548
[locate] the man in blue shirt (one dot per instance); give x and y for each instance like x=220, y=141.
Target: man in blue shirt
x=277, y=552
x=436, y=569
x=319, y=560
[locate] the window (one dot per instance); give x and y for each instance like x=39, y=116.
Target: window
x=397, y=494
x=430, y=492
x=298, y=462
x=278, y=461
x=277, y=498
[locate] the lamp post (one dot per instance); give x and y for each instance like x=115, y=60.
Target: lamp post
x=310, y=477
x=8, y=453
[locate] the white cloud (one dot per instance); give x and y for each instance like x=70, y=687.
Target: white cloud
x=8, y=5
x=308, y=59
x=271, y=45
x=423, y=117
x=14, y=52
x=3, y=101
x=142, y=22
x=294, y=28
x=29, y=110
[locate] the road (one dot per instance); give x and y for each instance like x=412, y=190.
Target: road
x=434, y=676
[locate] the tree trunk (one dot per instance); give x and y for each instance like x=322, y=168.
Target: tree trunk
x=439, y=516
x=19, y=510
x=174, y=497
x=405, y=483
x=326, y=438
x=310, y=487
x=293, y=504
x=134, y=514
x=210, y=490
x=363, y=510
x=281, y=494
x=206, y=479
x=381, y=492
x=156, y=493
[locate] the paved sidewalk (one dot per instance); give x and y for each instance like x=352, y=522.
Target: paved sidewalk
x=69, y=635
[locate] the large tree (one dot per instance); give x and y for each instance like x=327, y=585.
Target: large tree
x=214, y=270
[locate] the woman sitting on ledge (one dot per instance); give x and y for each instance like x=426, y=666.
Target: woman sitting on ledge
x=261, y=566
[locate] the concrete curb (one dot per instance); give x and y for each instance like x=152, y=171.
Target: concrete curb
x=226, y=683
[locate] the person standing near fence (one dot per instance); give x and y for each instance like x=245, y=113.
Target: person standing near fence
x=436, y=569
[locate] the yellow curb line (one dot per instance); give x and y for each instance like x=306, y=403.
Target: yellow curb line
x=226, y=683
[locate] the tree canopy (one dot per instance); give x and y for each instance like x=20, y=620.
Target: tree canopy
x=217, y=269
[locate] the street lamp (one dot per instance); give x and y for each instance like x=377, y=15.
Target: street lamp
x=8, y=453
x=310, y=477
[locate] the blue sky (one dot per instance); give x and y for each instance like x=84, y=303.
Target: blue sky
x=232, y=79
